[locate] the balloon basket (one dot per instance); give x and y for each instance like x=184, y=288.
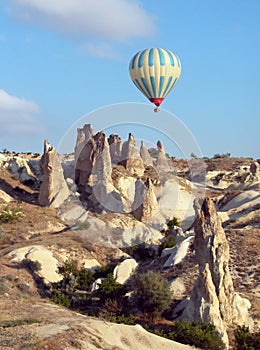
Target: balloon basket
x=157, y=109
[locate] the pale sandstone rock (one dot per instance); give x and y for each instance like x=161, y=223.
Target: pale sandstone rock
x=149, y=202
x=48, y=263
x=241, y=308
x=177, y=253
x=131, y=190
x=90, y=264
x=94, y=163
x=20, y=169
x=104, y=194
x=177, y=287
x=131, y=158
x=115, y=146
x=162, y=161
x=255, y=171
x=145, y=155
x=4, y=197
x=123, y=271
x=84, y=134
x=212, y=298
x=95, y=285
x=246, y=197
x=54, y=189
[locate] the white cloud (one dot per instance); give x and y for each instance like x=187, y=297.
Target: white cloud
x=116, y=20
x=17, y=115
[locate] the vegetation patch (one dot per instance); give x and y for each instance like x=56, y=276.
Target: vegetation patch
x=21, y=322
x=173, y=222
x=152, y=293
x=83, y=225
x=169, y=242
x=203, y=336
x=246, y=340
x=11, y=215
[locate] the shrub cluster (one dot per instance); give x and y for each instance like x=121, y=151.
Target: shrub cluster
x=66, y=291
x=222, y=155
x=173, y=222
x=169, y=242
x=74, y=278
x=11, y=215
x=246, y=340
x=152, y=293
x=203, y=336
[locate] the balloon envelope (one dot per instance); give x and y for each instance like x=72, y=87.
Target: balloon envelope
x=155, y=72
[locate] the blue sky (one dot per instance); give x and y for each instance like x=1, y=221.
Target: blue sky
x=62, y=59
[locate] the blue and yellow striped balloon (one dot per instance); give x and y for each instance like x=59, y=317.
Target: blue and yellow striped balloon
x=155, y=72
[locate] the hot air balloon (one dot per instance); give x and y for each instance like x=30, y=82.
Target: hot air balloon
x=155, y=72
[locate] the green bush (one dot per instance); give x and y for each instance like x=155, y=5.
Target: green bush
x=61, y=298
x=103, y=271
x=203, y=336
x=83, y=278
x=222, y=155
x=83, y=225
x=129, y=320
x=11, y=215
x=110, y=289
x=152, y=293
x=63, y=292
x=68, y=268
x=141, y=252
x=246, y=340
x=20, y=322
x=112, y=308
x=169, y=242
x=173, y=222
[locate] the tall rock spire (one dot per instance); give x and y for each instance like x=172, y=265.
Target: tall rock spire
x=115, y=146
x=162, y=161
x=145, y=155
x=131, y=158
x=54, y=189
x=213, y=298
x=84, y=134
x=94, y=162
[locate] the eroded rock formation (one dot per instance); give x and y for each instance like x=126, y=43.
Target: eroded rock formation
x=131, y=158
x=96, y=150
x=84, y=134
x=162, y=161
x=54, y=190
x=123, y=271
x=148, y=202
x=115, y=145
x=145, y=155
x=212, y=298
x=104, y=193
x=255, y=171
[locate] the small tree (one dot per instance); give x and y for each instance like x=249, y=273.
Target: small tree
x=173, y=222
x=246, y=340
x=82, y=277
x=169, y=242
x=152, y=293
x=110, y=289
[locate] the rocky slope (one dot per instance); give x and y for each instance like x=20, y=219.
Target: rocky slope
x=83, y=229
